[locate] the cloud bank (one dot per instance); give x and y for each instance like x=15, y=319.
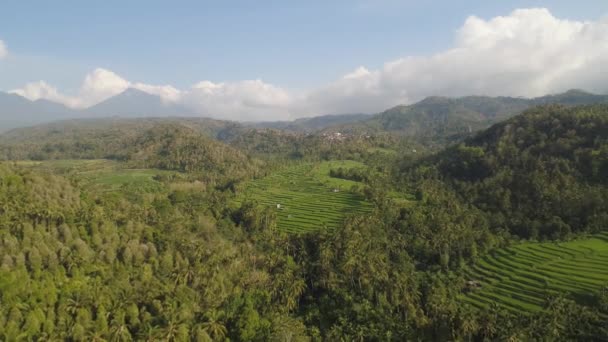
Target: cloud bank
x=3, y=49
x=526, y=53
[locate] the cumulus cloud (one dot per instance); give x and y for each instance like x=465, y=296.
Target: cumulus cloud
x=42, y=90
x=528, y=52
x=98, y=85
x=3, y=50
x=250, y=100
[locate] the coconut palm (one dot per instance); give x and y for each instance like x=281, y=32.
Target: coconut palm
x=213, y=325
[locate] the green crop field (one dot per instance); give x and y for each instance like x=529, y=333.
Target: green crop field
x=308, y=198
x=101, y=174
x=520, y=278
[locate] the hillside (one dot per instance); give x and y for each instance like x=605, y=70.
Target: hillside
x=442, y=119
x=174, y=234
x=186, y=145
x=313, y=124
x=541, y=174
x=73, y=128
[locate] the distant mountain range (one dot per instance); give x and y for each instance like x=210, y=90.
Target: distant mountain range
x=434, y=118
x=136, y=103
x=443, y=119
x=17, y=111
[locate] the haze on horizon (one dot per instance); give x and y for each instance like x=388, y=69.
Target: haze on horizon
x=273, y=62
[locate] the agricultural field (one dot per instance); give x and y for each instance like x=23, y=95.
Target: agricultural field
x=521, y=277
x=101, y=174
x=306, y=198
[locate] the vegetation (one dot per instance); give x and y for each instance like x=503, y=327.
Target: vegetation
x=304, y=198
x=521, y=277
x=157, y=231
x=436, y=121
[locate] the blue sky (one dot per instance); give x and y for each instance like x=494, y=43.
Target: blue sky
x=283, y=42
x=297, y=46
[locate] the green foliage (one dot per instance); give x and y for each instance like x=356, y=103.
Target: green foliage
x=166, y=146
x=302, y=198
x=539, y=175
x=178, y=237
x=519, y=278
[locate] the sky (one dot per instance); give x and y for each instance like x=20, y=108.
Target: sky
x=269, y=60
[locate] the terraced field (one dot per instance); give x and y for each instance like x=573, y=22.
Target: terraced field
x=521, y=277
x=101, y=174
x=306, y=198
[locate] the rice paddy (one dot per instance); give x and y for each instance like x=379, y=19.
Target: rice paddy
x=305, y=198
x=522, y=277
x=100, y=174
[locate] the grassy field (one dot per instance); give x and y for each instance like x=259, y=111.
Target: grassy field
x=101, y=174
x=309, y=199
x=520, y=278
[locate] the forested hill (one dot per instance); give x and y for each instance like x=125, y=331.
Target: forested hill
x=541, y=174
x=173, y=147
x=74, y=128
x=184, y=145
x=313, y=124
x=442, y=119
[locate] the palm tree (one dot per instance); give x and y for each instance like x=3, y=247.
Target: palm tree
x=295, y=290
x=468, y=323
x=119, y=332
x=184, y=276
x=213, y=326
x=95, y=336
x=149, y=333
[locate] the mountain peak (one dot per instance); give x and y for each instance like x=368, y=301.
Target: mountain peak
x=577, y=92
x=135, y=92
x=133, y=102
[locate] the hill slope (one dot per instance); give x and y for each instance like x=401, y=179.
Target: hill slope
x=541, y=174
x=307, y=125
x=186, y=145
x=441, y=119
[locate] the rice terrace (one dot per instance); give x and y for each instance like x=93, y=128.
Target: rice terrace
x=306, y=198
x=521, y=277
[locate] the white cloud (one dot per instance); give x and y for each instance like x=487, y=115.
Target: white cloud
x=526, y=53
x=41, y=90
x=166, y=92
x=98, y=85
x=3, y=50
x=244, y=100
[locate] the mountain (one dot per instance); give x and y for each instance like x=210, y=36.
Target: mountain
x=573, y=97
x=442, y=119
x=434, y=120
x=16, y=111
x=539, y=174
x=307, y=125
x=135, y=103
